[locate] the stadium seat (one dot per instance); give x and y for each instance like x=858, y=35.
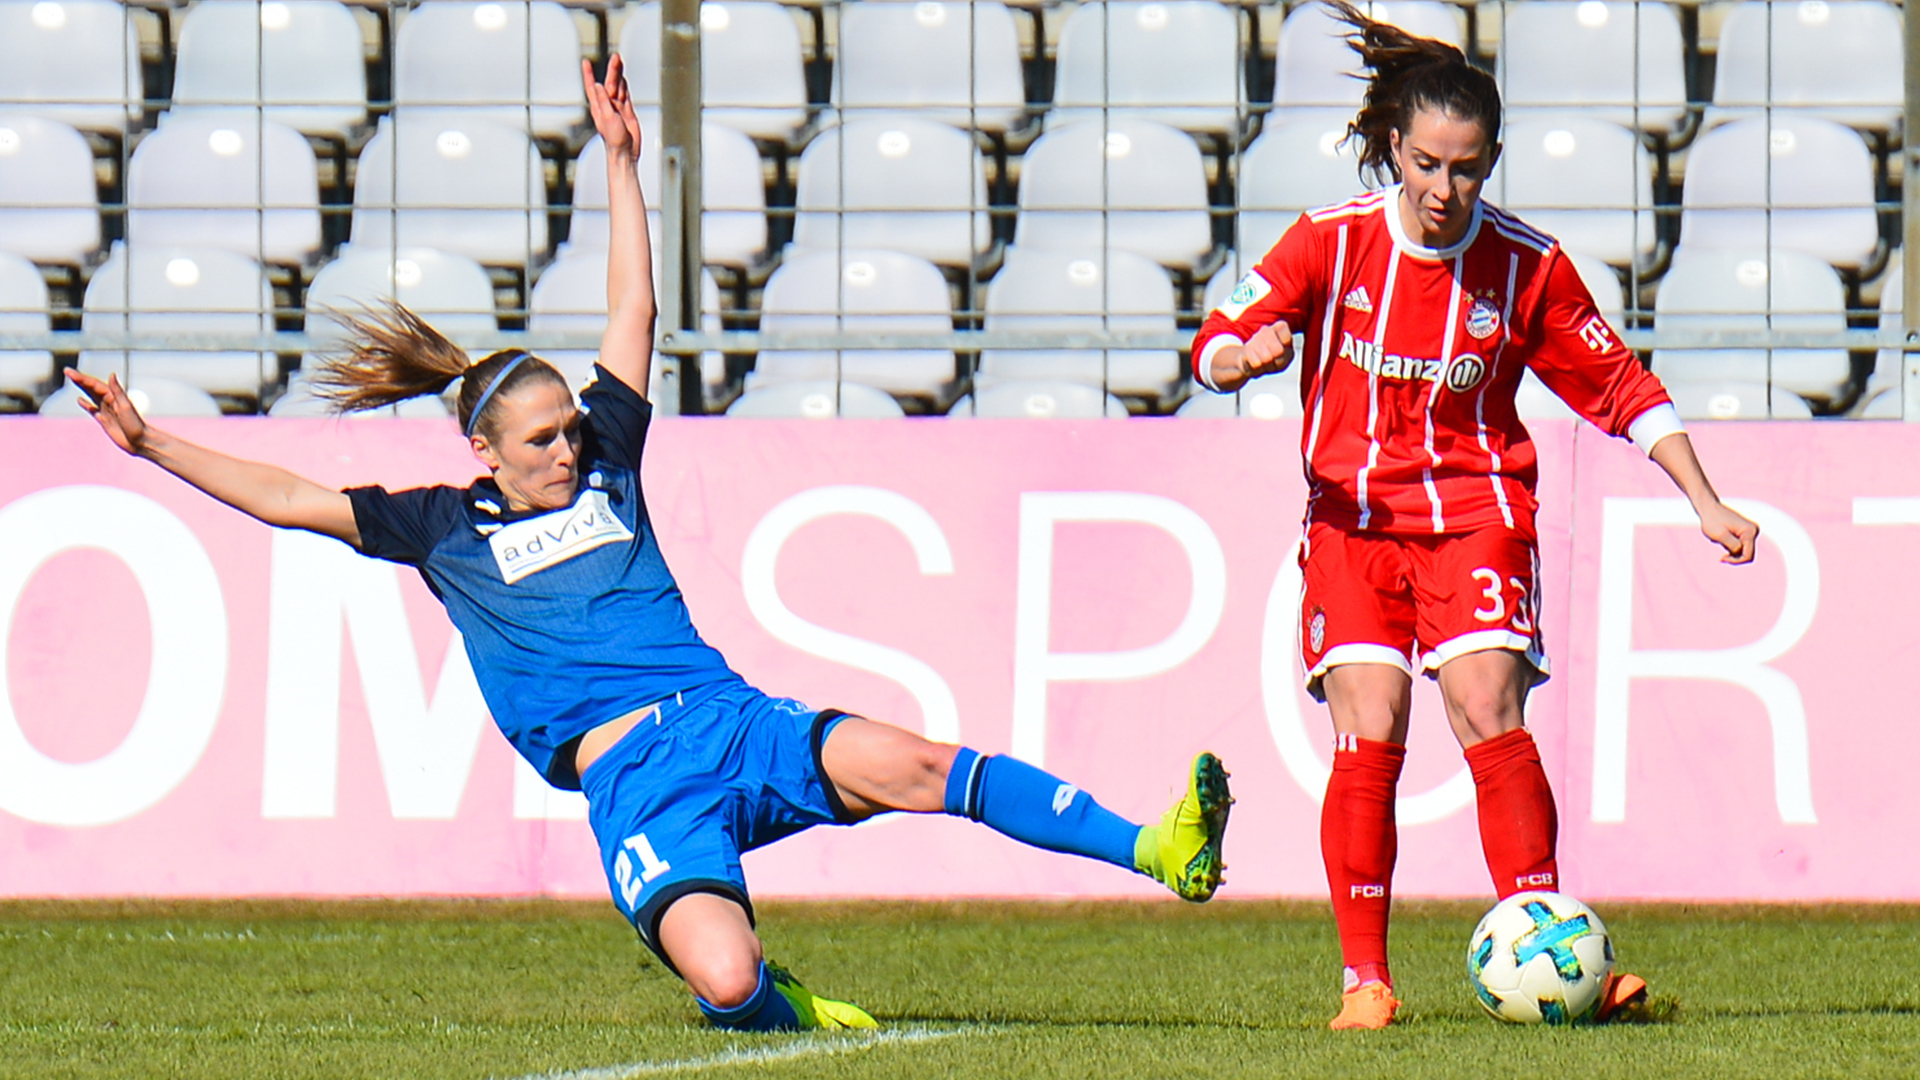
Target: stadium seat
x=435, y=179
x=75, y=61
x=1587, y=58
x=514, y=63
x=957, y=63
x=751, y=70
x=1301, y=160
x=1269, y=397
x=302, y=59
x=1043, y=291
x=1175, y=62
x=49, y=205
x=1840, y=61
x=1588, y=183
x=1038, y=400
x=1804, y=185
x=1724, y=290
x=301, y=400
x=23, y=310
x=451, y=292
x=161, y=293
x=816, y=401
x=1133, y=185
x=911, y=185
x=733, y=222
x=152, y=396
x=228, y=180
x=571, y=297
x=1881, y=400
x=1313, y=61
x=865, y=292
x=1603, y=283
x=1736, y=401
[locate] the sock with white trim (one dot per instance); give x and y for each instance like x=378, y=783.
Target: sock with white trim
x=1034, y=807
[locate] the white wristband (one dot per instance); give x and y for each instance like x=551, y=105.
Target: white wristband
x=1655, y=424
x=1203, y=364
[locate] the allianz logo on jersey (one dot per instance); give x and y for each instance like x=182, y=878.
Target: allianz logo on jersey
x=1462, y=375
x=530, y=546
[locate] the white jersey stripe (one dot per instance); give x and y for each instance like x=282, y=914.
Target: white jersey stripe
x=1373, y=388
x=1480, y=402
x=1358, y=205
x=1336, y=285
x=1433, y=394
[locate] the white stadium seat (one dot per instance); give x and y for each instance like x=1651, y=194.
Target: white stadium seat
x=302, y=59
x=161, y=293
x=1587, y=183
x=751, y=70
x=1301, y=160
x=436, y=179
x=1804, y=185
x=152, y=396
x=957, y=63
x=571, y=297
x=451, y=292
x=816, y=401
x=1840, y=60
x=1602, y=282
x=1882, y=398
x=300, y=399
x=1269, y=397
x=1314, y=62
x=1175, y=62
x=1071, y=292
x=733, y=220
x=858, y=291
x=75, y=61
x=910, y=185
x=1587, y=57
x=1737, y=401
x=1132, y=184
x=49, y=204
x=1724, y=290
x=514, y=63
x=23, y=310
x=1038, y=400
x=228, y=180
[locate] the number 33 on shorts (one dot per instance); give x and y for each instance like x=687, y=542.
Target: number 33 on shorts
x=651, y=866
x=1510, y=602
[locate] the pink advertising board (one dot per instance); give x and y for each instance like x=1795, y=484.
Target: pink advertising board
x=198, y=705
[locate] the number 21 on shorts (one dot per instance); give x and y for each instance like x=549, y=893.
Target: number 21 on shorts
x=651, y=866
x=1493, y=600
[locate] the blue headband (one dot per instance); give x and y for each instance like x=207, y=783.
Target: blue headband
x=481, y=405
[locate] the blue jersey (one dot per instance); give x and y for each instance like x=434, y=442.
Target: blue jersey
x=571, y=617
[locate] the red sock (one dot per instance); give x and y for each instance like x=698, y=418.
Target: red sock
x=1518, y=826
x=1358, y=840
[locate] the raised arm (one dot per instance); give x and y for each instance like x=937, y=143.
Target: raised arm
x=626, y=349
x=266, y=492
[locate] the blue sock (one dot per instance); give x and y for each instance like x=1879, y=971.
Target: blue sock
x=767, y=1010
x=1014, y=798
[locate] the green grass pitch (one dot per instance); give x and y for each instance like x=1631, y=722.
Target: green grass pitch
x=1109, y=991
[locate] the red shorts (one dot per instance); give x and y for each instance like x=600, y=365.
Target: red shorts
x=1416, y=602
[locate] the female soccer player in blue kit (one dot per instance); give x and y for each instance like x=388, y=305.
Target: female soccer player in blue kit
x=591, y=666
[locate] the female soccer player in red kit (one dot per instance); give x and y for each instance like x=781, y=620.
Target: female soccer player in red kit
x=1414, y=311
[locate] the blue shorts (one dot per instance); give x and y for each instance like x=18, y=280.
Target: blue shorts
x=678, y=798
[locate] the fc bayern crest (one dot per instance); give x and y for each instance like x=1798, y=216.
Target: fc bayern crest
x=1317, y=631
x=1483, y=319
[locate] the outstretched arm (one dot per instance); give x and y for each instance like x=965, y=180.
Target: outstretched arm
x=1720, y=523
x=266, y=492
x=626, y=349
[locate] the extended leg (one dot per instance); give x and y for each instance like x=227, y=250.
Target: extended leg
x=1358, y=836
x=1486, y=695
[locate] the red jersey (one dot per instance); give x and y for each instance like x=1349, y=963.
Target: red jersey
x=1410, y=357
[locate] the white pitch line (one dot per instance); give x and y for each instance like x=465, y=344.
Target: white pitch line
x=819, y=1046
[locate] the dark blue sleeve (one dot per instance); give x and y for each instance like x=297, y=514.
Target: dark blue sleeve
x=404, y=526
x=617, y=419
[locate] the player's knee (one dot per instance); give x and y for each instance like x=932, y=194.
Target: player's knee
x=933, y=761
x=726, y=982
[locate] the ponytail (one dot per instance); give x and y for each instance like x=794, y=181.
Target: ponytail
x=1407, y=74
x=392, y=355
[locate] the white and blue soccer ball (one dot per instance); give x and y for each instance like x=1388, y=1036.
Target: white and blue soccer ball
x=1540, y=958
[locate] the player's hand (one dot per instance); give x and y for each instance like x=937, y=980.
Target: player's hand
x=1731, y=530
x=107, y=402
x=1268, y=351
x=612, y=107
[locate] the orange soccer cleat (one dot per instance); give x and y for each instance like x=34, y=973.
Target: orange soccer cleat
x=1368, y=1007
x=1624, y=993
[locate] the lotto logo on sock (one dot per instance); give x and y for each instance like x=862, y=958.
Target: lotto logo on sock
x=1063, y=798
x=1535, y=881
x=1367, y=892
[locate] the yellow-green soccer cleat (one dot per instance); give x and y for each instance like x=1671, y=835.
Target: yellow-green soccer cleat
x=1183, y=851
x=814, y=1011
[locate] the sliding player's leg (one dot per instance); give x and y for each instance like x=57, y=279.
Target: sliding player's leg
x=876, y=767
x=710, y=939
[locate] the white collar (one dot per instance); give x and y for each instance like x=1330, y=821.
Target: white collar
x=1397, y=229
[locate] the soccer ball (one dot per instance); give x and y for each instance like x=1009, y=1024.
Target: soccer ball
x=1540, y=957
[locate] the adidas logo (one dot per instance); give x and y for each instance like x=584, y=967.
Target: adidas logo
x=1358, y=300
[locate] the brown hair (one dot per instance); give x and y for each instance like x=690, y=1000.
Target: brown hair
x=392, y=354
x=1407, y=74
